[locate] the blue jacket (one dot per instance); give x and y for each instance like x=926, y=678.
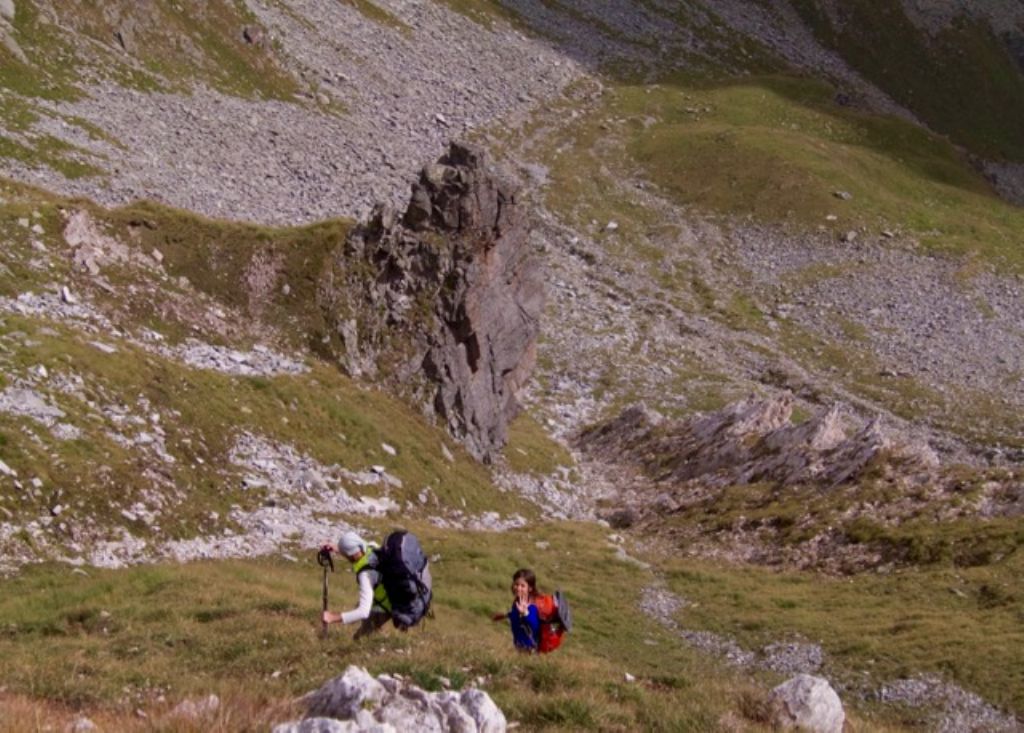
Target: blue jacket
x=525, y=629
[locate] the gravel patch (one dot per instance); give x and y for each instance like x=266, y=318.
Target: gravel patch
x=924, y=316
x=948, y=708
x=259, y=361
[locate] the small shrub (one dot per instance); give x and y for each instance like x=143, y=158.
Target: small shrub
x=545, y=678
x=569, y=712
x=209, y=615
x=862, y=531
x=670, y=682
x=991, y=596
x=753, y=704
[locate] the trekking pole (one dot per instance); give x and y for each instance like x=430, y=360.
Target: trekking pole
x=323, y=558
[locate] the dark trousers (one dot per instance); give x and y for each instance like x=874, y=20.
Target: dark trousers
x=372, y=623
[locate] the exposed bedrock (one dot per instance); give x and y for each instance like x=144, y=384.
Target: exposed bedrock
x=444, y=299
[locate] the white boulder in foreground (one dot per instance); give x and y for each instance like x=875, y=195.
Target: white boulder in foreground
x=808, y=703
x=356, y=701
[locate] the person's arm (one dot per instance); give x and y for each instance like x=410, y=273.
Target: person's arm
x=362, y=611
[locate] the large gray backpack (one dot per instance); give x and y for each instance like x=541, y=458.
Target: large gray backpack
x=564, y=612
x=402, y=565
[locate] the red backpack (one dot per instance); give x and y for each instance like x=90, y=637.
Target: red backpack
x=554, y=620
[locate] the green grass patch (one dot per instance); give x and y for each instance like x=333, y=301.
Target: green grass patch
x=51, y=71
x=778, y=149
x=531, y=450
x=962, y=81
x=270, y=273
x=775, y=149
x=176, y=45
x=52, y=152
x=113, y=641
x=486, y=12
x=961, y=623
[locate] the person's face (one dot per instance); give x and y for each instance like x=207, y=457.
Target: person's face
x=521, y=589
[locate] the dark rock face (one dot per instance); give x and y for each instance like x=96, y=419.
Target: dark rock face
x=445, y=300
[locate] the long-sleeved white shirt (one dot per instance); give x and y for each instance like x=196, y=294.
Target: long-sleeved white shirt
x=362, y=610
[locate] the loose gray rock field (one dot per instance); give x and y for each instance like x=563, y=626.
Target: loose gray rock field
x=381, y=104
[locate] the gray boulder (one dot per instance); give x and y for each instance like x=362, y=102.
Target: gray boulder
x=343, y=697
x=808, y=703
x=330, y=725
x=481, y=708
x=29, y=403
x=82, y=724
x=355, y=701
x=7, y=31
x=197, y=709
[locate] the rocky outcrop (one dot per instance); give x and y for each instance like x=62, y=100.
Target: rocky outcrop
x=92, y=248
x=356, y=701
x=1006, y=178
x=7, y=31
x=753, y=441
x=444, y=300
x=832, y=492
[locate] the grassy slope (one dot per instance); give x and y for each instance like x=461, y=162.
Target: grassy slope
x=174, y=43
x=322, y=413
x=115, y=641
x=376, y=13
x=963, y=82
x=963, y=624
x=485, y=12
x=775, y=150
x=242, y=266
x=926, y=534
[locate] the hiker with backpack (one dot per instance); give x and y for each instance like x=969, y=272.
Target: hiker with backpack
x=394, y=582
x=538, y=621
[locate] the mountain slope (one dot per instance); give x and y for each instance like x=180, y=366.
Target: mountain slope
x=729, y=199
